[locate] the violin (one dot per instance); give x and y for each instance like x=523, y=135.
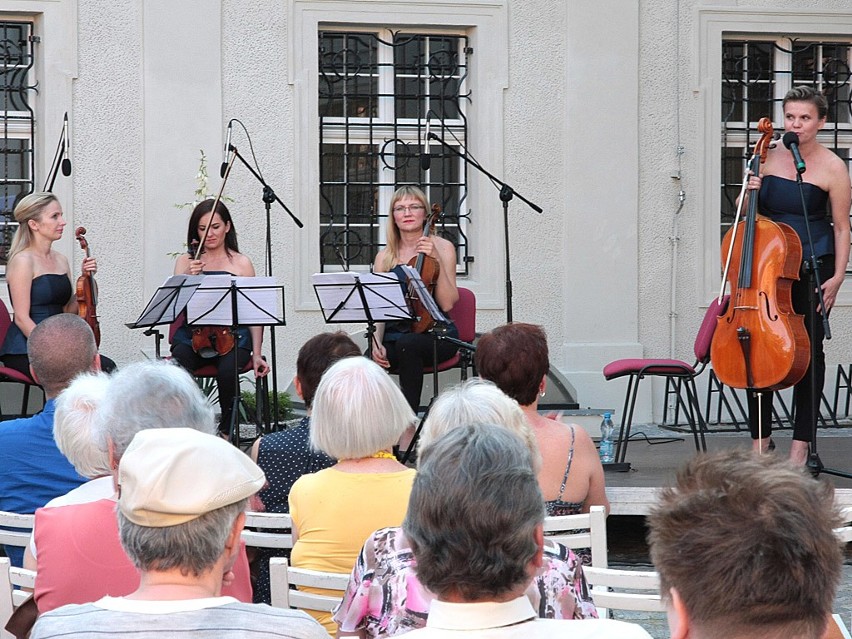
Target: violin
x=429, y=269
x=760, y=343
x=210, y=341
x=87, y=291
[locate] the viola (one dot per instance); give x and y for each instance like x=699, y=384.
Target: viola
x=760, y=343
x=429, y=269
x=87, y=291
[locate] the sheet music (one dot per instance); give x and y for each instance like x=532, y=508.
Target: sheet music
x=382, y=291
x=257, y=302
x=416, y=282
x=169, y=300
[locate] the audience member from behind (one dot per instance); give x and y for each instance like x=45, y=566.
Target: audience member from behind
x=479, y=562
x=384, y=597
x=77, y=438
x=82, y=539
x=515, y=357
x=745, y=547
x=286, y=455
x=182, y=497
x=32, y=470
x=358, y=415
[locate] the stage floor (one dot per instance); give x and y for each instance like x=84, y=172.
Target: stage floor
x=654, y=464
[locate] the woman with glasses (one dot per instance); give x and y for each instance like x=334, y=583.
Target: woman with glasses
x=395, y=346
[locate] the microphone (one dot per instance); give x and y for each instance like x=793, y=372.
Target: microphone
x=791, y=141
x=224, y=166
x=425, y=157
x=66, y=163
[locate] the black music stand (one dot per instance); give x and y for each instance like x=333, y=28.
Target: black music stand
x=350, y=297
x=166, y=304
x=228, y=300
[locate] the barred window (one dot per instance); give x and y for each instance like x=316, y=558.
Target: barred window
x=377, y=91
x=17, y=123
x=756, y=74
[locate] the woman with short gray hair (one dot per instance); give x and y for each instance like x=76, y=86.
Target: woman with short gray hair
x=358, y=415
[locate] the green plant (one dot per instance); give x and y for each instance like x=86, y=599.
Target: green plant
x=249, y=405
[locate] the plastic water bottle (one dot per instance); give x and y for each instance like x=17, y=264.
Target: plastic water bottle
x=607, y=447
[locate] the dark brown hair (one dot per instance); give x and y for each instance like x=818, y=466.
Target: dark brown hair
x=747, y=541
x=316, y=355
x=514, y=356
x=808, y=94
x=202, y=209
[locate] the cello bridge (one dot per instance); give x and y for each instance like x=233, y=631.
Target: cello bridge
x=745, y=308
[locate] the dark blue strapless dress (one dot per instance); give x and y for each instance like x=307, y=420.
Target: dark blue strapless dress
x=780, y=201
x=49, y=294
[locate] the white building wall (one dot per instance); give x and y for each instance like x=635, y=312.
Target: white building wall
x=581, y=106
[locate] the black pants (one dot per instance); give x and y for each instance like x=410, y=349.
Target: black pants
x=21, y=363
x=805, y=417
x=226, y=379
x=408, y=355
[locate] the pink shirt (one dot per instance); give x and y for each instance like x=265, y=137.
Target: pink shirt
x=80, y=558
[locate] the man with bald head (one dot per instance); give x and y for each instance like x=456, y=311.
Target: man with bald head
x=32, y=470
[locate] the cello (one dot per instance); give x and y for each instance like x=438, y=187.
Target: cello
x=760, y=343
x=87, y=291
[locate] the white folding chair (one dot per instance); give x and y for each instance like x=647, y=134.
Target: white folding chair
x=263, y=522
x=586, y=530
x=616, y=588
x=282, y=576
x=20, y=537
x=11, y=596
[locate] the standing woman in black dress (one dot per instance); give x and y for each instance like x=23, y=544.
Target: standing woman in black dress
x=827, y=193
x=394, y=345
x=220, y=255
x=38, y=277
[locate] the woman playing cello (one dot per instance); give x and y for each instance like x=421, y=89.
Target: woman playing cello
x=219, y=255
x=826, y=191
x=395, y=345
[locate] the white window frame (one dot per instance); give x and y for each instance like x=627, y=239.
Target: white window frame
x=383, y=123
x=485, y=24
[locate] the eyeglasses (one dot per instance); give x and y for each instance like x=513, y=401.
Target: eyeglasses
x=414, y=208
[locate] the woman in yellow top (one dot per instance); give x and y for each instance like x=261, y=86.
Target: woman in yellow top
x=358, y=415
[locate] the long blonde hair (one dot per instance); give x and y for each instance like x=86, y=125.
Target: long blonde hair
x=392, y=248
x=29, y=208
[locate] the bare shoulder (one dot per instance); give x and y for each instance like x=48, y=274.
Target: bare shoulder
x=182, y=263
x=837, y=169
x=378, y=263
x=243, y=264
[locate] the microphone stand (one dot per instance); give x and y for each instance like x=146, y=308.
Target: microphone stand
x=506, y=195
x=269, y=197
x=811, y=267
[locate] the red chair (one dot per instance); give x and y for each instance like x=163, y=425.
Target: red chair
x=676, y=369
x=10, y=374
x=464, y=317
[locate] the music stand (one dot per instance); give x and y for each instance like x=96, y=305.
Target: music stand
x=228, y=300
x=350, y=297
x=165, y=305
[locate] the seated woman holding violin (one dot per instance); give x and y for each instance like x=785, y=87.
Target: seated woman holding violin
x=197, y=346
x=38, y=277
x=398, y=345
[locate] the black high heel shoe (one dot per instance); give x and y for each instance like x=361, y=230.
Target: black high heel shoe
x=771, y=445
